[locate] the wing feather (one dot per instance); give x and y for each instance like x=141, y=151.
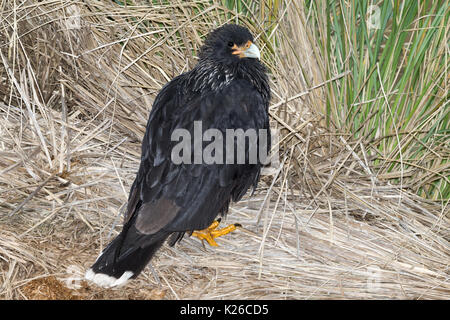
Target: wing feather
x=186, y=197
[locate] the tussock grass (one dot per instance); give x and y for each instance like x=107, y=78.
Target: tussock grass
x=396, y=95
x=74, y=99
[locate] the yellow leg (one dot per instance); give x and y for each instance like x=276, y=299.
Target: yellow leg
x=210, y=233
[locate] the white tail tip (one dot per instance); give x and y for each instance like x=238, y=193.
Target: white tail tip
x=105, y=281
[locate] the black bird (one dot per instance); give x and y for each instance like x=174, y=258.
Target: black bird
x=227, y=89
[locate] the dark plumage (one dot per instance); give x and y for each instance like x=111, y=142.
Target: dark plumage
x=227, y=89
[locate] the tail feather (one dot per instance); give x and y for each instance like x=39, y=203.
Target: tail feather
x=123, y=259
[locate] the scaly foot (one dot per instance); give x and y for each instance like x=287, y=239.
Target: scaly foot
x=210, y=233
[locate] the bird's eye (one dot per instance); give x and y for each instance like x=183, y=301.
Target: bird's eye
x=230, y=44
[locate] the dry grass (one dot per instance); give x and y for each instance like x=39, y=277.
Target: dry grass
x=73, y=108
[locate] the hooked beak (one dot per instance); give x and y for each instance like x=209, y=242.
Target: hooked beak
x=249, y=50
x=252, y=52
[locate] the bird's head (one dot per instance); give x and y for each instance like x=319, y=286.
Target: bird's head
x=229, y=44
